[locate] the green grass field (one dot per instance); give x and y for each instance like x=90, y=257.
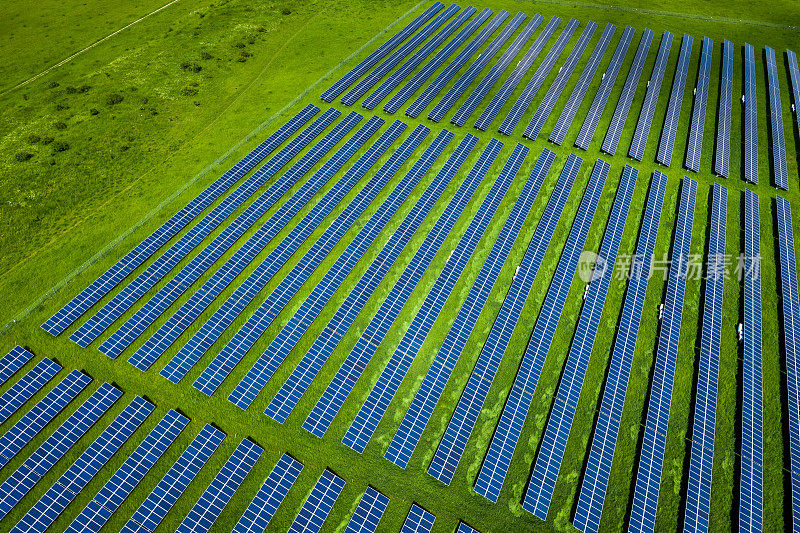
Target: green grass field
x=115, y=132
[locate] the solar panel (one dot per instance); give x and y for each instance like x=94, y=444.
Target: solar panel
x=695, y=147
x=222, y=242
x=464, y=528
x=536, y=81
x=147, y=354
x=202, y=341
x=371, y=60
x=158, y=503
x=425, y=400
x=491, y=78
x=750, y=116
x=617, y=125
x=12, y=362
x=751, y=494
x=639, y=143
x=604, y=91
x=394, y=59
x=397, y=77
x=208, y=508
x=319, y=503
x=466, y=79
x=791, y=333
x=368, y=514
x=522, y=67
x=794, y=77
x=449, y=72
x=598, y=467
x=722, y=154
x=68, y=314
x=39, y=463
x=698, y=498
x=269, y=361
x=44, y=512
x=651, y=458
x=418, y=520
x=779, y=171
x=325, y=342
x=28, y=385
x=269, y=497
x=471, y=402
x=504, y=441
x=151, y=275
x=367, y=344
x=667, y=142
x=551, y=452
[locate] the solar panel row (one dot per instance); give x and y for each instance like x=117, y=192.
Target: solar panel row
x=319, y=503
x=418, y=520
x=651, y=458
x=722, y=154
x=667, y=142
x=68, y=314
x=345, y=379
x=28, y=385
x=794, y=78
x=598, y=468
x=12, y=362
x=368, y=514
x=269, y=497
x=464, y=528
x=471, y=402
x=750, y=116
x=695, y=146
x=554, y=442
x=779, y=171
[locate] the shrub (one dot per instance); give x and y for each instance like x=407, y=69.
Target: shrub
x=286, y=11
x=190, y=67
x=60, y=126
x=33, y=138
x=124, y=148
x=114, y=98
x=239, y=45
x=53, y=85
x=61, y=107
x=60, y=146
x=93, y=111
x=22, y=156
x=78, y=90
x=47, y=140
x=243, y=56
x=206, y=56
x=189, y=91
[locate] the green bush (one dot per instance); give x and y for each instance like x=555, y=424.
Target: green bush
x=114, y=98
x=93, y=111
x=33, y=138
x=22, y=156
x=189, y=91
x=206, y=56
x=47, y=140
x=60, y=126
x=60, y=146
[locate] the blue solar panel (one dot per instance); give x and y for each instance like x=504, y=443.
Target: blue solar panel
x=325, y=342
x=418, y=520
x=780, y=174
x=345, y=379
x=171, y=486
x=319, y=503
x=269, y=497
x=488, y=81
x=651, y=458
x=698, y=498
x=425, y=400
x=123, y=300
x=617, y=125
x=464, y=528
x=639, y=143
x=147, y=354
x=208, y=508
x=695, y=147
x=436, y=86
x=794, y=77
x=598, y=468
x=667, y=142
x=371, y=60
x=368, y=514
x=750, y=116
x=39, y=463
x=471, y=402
x=68, y=314
x=466, y=79
x=501, y=448
x=269, y=361
x=397, y=56
x=791, y=334
x=28, y=385
x=44, y=512
x=551, y=452
x=723, y=149
x=751, y=494
x=219, y=245
x=12, y=362
x=397, y=77
x=511, y=83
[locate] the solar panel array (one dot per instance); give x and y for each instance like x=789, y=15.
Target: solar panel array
x=598, y=468
x=418, y=520
x=554, y=442
x=269, y=497
x=667, y=142
x=464, y=528
x=579, y=92
x=368, y=514
x=319, y=503
x=512, y=419
x=651, y=458
x=794, y=78
x=750, y=116
x=723, y=151
x=642, y=132
x=779, y=171
x=469, y=406
x=28, y=385
x=695, y=146
x=751, y=476
x=12, y=362
x=698, y=498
